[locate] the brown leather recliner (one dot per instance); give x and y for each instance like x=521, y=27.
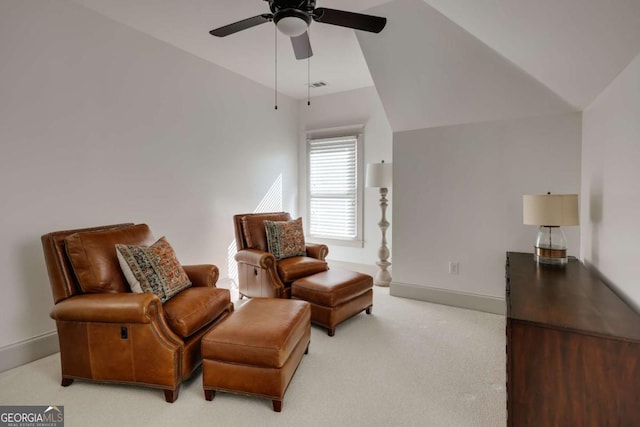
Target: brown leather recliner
x=259, y=274
x=109, y=334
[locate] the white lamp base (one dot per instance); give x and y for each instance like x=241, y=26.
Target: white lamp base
x=383, y=277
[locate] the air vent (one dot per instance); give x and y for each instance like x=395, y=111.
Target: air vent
x=317, y=84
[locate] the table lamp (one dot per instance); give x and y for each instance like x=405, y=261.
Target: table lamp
x=550, y=212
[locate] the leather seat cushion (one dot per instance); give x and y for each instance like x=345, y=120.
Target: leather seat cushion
x=92, y=255
x=331, y=288
x=195, y=307
x=290, y=269
x=262, y=332
x=254, y=231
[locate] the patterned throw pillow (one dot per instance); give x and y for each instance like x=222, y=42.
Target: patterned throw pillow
x=285, y=238
x=153, y=269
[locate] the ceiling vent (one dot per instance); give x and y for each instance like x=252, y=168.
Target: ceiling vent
x=317, y=84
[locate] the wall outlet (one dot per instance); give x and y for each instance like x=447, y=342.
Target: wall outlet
x=454, y=267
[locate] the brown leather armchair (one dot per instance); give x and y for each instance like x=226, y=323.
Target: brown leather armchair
x=259, y=274
x=109, y=334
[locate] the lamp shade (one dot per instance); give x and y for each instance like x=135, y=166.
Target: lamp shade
x=379, y=175
x=550, y=209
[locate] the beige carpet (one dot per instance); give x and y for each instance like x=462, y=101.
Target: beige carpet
x=410, y=363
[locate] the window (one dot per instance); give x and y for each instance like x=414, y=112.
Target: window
x=335, y=188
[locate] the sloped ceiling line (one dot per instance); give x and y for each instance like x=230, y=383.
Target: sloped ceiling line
x=575, y=48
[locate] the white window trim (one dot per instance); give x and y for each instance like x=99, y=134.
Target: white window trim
x=331, y=133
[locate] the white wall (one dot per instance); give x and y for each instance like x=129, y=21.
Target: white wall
x=472, y=134
x=610, y=229
x=458, y=197
x=100, y=124
x=356, y=107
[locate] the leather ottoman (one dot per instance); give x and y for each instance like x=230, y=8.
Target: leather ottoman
x=257, y=349
x=335, y=295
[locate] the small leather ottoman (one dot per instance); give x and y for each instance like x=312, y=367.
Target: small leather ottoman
x=256, y=350
x=335, y=295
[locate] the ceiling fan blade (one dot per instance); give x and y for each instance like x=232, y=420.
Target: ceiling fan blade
x=302, y=46
x=357, y=21
x=241, y=25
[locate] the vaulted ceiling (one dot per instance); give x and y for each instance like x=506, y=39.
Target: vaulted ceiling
x=437, y=61
x=185, y=24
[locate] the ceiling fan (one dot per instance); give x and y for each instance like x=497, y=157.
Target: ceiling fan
x=292, y=18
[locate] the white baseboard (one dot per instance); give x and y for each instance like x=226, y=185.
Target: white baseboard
x=470, y=301
x=14, y=355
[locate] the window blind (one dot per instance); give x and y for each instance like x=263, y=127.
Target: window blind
x=333, y=186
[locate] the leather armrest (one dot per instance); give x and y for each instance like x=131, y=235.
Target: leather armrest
x=256, y=258
x=108, y=308
x=202, y=274
x=317, y=251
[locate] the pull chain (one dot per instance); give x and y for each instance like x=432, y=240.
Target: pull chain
x=309, y=67
x=276, y=65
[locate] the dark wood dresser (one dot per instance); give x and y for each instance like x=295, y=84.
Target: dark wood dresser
x=573, y=348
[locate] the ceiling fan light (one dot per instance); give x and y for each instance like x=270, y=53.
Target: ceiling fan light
x=292, y=26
